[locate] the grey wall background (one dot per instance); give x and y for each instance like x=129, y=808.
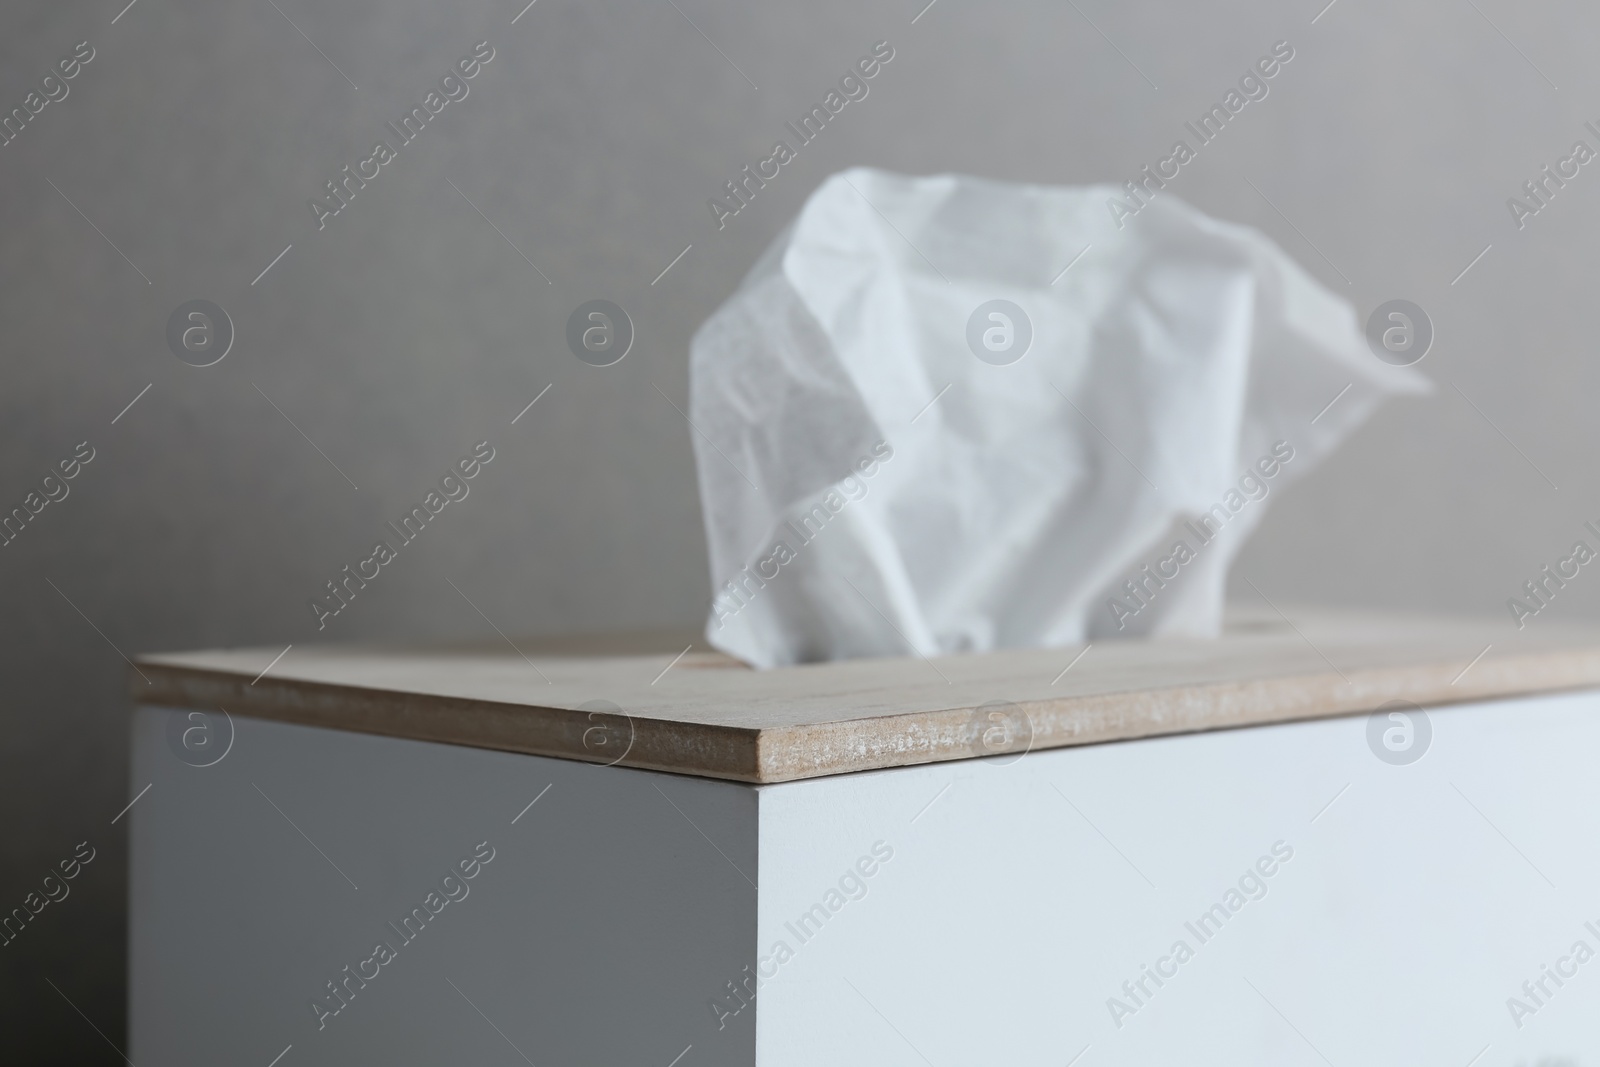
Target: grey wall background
x=408, y=329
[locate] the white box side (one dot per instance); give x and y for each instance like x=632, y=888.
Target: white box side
x=1022, y=895
x=609, y=907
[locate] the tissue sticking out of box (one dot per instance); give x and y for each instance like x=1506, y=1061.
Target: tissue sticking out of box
x=948, y=414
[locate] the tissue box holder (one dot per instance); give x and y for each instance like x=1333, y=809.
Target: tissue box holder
x=1282, y=846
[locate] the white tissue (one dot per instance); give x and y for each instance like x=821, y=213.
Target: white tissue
x=871, y=487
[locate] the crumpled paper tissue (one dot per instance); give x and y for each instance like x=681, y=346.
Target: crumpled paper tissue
x=947, y=414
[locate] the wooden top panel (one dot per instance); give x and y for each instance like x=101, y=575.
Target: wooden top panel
x=707, y=715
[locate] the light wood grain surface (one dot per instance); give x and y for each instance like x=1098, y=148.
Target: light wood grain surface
x=701, y=713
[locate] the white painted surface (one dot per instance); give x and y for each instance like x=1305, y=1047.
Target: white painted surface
x=591, y=937
x=1413, y=907
x=1006, y=920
